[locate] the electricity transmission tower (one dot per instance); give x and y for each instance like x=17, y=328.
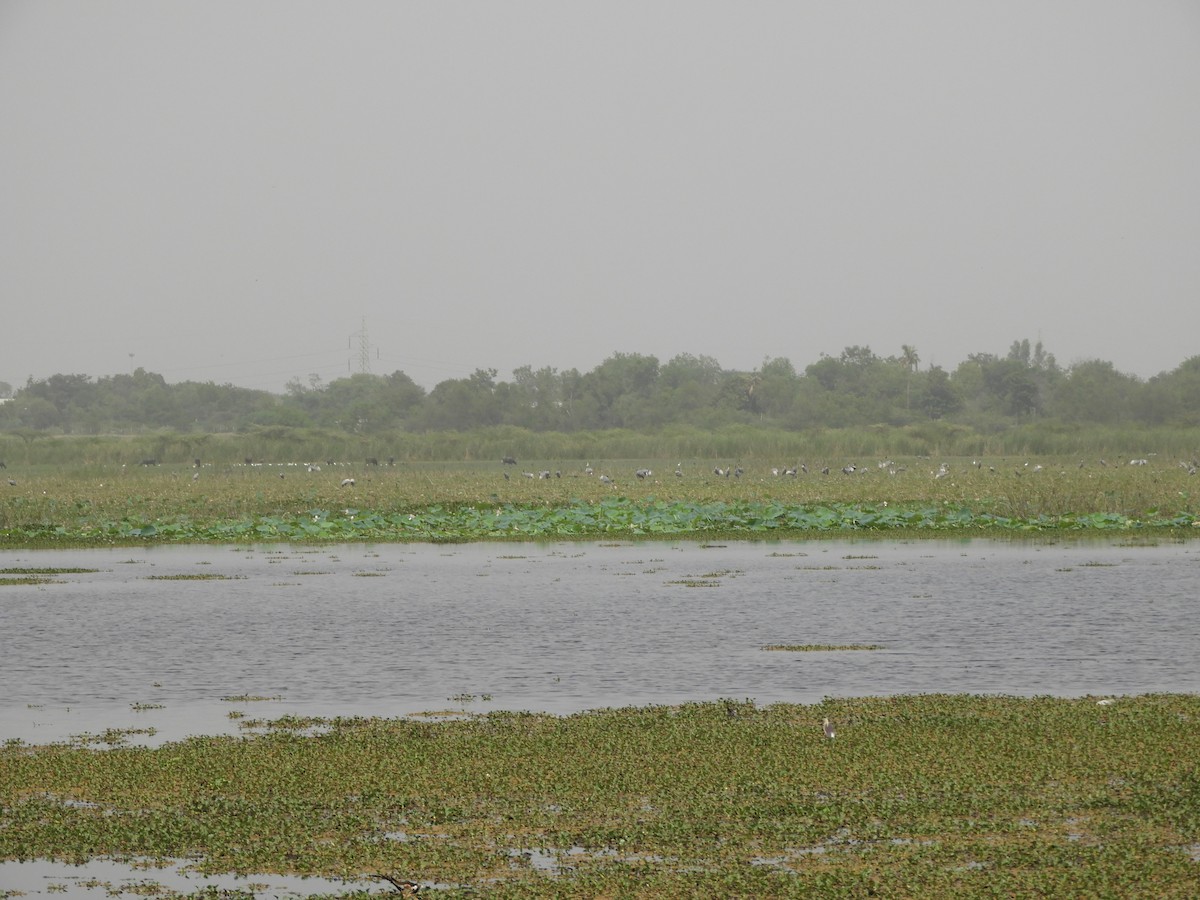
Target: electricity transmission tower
x=364, y=349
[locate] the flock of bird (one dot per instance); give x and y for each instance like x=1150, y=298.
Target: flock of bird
x=888, y=466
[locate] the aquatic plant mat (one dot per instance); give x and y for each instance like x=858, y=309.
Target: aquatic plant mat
x=918, y=796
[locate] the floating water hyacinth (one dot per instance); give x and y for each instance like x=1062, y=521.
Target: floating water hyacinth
x=930, y=796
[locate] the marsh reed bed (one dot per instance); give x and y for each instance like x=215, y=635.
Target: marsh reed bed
x=559, y=499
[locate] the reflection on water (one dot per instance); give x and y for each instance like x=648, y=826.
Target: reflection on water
x=399, y=629
x=109, y=878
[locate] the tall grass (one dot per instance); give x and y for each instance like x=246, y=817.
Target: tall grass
x=731, y=443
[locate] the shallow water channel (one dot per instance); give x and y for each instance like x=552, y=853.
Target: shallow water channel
x=167, y=641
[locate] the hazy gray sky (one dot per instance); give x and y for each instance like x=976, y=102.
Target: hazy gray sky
x=225, y=191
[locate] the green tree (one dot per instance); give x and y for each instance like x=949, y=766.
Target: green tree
x=687, y=390
x=940, y=398
x=462, y=403
x=1173, y=397
x=1013, y=384
x=1094, y=391
x=534, y=400
x=619, y=388
x=777, y=388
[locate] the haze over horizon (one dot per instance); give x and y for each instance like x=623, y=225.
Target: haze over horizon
x=227, y=192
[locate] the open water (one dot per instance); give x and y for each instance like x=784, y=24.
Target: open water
x=157, y=638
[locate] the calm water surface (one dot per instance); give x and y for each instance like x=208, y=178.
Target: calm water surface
x=395, y=630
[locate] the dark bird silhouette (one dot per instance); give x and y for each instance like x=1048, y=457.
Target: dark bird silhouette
x=404, y=886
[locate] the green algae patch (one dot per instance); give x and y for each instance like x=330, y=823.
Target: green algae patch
x=818, y=648
x=45, y=570
x=15, y=575
x=194, y=576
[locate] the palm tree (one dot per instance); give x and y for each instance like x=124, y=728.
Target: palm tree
x=908, y=355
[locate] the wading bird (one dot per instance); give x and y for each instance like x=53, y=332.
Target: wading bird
x=404, y=887
x=827, y=727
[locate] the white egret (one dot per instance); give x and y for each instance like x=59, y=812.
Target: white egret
x=828, y=728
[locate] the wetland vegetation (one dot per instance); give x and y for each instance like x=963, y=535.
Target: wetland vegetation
x=918, y=796
x=289, y=500
x=922, y=796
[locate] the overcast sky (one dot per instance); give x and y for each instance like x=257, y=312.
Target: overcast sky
x=227, y=191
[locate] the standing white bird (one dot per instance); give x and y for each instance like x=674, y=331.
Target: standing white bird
x=828, y=728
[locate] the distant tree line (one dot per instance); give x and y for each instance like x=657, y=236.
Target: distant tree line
x=630, y=391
